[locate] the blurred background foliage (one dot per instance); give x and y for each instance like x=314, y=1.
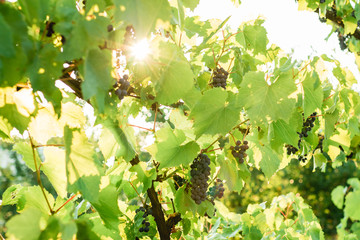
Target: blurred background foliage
x=314, y=186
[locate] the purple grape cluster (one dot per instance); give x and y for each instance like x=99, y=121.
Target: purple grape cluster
x=219, y=77
x=145, y=225
x=178, y=181
x=217, y=191
x=290, y=149
x=200, y=172
x=238, y=151
x=121, y=86
x=50, y=28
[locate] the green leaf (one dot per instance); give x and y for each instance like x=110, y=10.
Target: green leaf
x=12, y=195
x=107, y=206
x=190, y=4
x=79, y=156
x=54, y=168
x=35, y=11
x=43, y=73
x=144, y=176
x=216, y=112
x=330, y=121
x=25, y=150
x=6, y=39
x=84, y=35
x=171, y=148
x=117, y=141
x=267, y=159
x=10, y=110
x=350, y=25
x=352, y=205
x=313, y=94
x=229, y=172
x=34, y=198
x=176, y=78
x=25, y=226
x=337, y=196
x=145, y=16
x=97, y=78
x=354, y=183
x=184, y=202
x=285, y=132
x=255, y=38
x=265, y=101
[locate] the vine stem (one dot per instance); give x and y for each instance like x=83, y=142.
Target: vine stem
x=49, y=145
x=71, y=198
x=205, y=150
x=247, y=130
x=38, y=174
x=301, y=70
x=141, y=199
x=148, y=129
x=1, y=236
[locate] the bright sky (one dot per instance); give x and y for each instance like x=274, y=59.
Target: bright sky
x=286, y=26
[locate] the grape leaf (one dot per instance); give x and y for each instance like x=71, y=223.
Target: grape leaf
x=97, y=78
x=43, y=73
x=352, y=205
x=268, y=161
x=265, y=101
x=184, y=202
x=45, y=126
x=107, y=206
x=176, y=78
x=12, y=195
x=33, y=198
x=25, y=150
x=190, y=4
x=145, y=16
x=313, y=94
x=171, y=148
x=284, y=132
x=6, y=39
x=79, y=155
x=54, y=169
x=337, y=196
x=229, y=173
x=216, y=112
x=117, y=141
x=10, y=110
x=25, y=226
x=255, y=37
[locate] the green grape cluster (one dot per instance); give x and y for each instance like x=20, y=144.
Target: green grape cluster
x=238, y=151
x=200, y=172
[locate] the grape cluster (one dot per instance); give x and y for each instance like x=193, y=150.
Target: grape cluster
x=307, y=125
x=217, y=191
x=306, y=128
x=179, y=181
x=50, y=29
x=238, y=151
x=320, y=144
x=121, y=86
x=219, y=78
x=200, y=172
x=110, y=28
x=145, y=225
x=291, y=149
